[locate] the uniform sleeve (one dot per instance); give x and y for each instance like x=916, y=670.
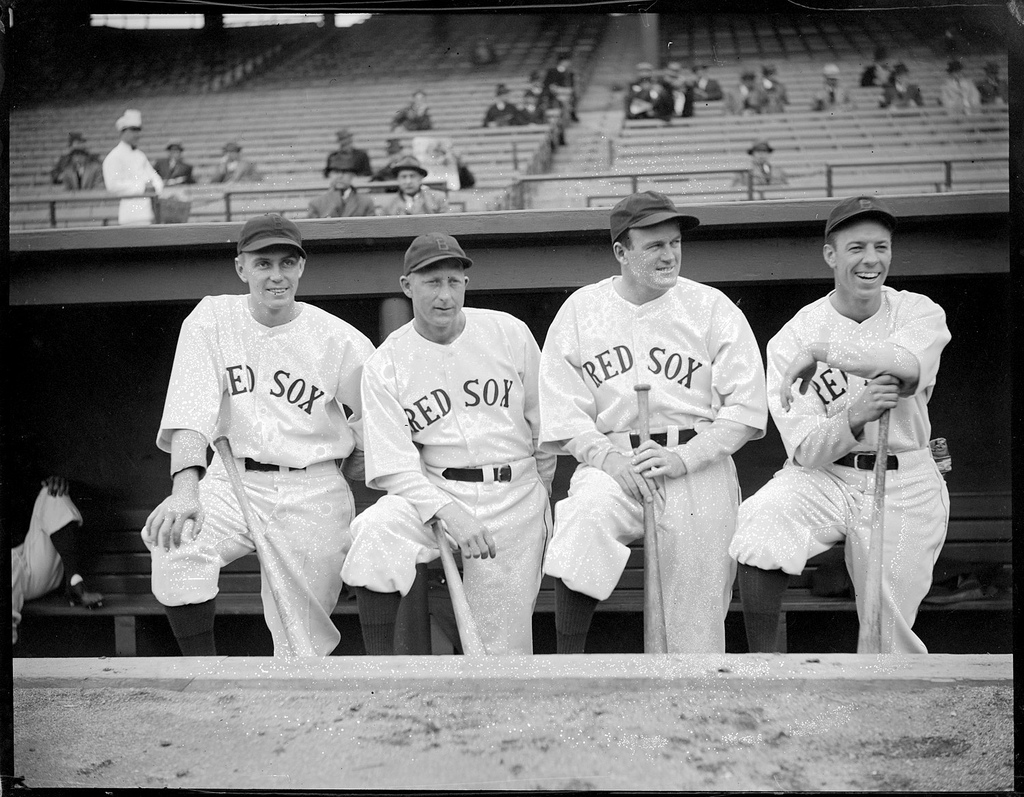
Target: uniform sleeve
x=56, y=511
x=347, y=392
x=194, y=391
x=921, y=329
x=546, y=460
x=737, y=370
x=392, y=459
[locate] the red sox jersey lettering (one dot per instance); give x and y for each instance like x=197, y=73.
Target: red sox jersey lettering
x=619, y=360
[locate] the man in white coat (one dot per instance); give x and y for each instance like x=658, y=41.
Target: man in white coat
x=128, y=172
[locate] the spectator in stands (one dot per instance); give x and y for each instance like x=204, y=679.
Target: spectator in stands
x=173, y=168
x=74, y=139
x=876, y=73
x=959, y=94
x=705, y=89
x=774, y=90
x=531, y=112
x=536, y=90
x=899, y=91
x=395, y=152
x=832, y=96
x=127, y=171
x=992, y=88
x=347, y=148
x=647, y=99
x=501, y=112
x=680, y=89
x=560, y=85
x=341, y=199
x=747, y=98
x=761, y=169
x=232, y=168
x=49, y=555
x=413, y=197
x=84, y=172
x=415, y=116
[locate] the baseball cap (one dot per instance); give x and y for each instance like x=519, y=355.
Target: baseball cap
x=269, y=230
x=645, y=209
x=430, y=248
x=130, y=118
x=857, y=206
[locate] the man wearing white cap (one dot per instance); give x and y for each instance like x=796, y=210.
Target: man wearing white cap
x=831, y=96
x=128, y=172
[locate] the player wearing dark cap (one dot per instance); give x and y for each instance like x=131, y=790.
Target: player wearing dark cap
x=280, y=378
x=863, y=349
x=707, y=399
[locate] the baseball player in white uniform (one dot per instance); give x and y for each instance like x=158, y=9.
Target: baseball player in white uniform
x=451, y=422
x=863, y=349
x=280, y=378
x=707, y=398
x=49, y=555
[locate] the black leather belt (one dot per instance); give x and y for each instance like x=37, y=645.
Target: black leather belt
x=867, y=461
x=502, y=473
x=252, y=464
x=661, y=438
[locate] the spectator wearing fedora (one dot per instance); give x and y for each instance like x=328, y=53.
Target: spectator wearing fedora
x=341, y=199
x=899, y=92
x=394, y=151
x=776, y=98
x=415, y=116
x=992, y=88
x=680, y=88
x=84, y=172
x=127, y=172
x=560, y=85
x=501, y=113
x=959, y=94
x=764, y=173
x=747, y=98
x=831, y=96
x=647, y=98
x=74, y=139
x=705, y=89
x=876, y=73
x=360, y=158
x=173, y=168
x=232, y=168
x=413, y=198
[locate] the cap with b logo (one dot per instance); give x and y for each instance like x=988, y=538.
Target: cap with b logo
x=646, y=209
x=432, y=247
x=271, y=229
x=858, y=206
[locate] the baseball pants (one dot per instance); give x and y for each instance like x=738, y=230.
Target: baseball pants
x=302, y=535
x=802, y=512
x=36, y=567
x=597, y=521
x=390, y=539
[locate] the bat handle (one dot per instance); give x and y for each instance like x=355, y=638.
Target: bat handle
x=644, y=407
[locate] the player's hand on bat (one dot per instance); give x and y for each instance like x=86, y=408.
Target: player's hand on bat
x=178, y=517
x=653, y=461
x=55, y=485
x=475, y=540
x=802, y=369
x=620, y=467
x=879, y=394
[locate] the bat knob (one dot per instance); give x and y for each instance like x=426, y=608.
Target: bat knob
x=641, y=388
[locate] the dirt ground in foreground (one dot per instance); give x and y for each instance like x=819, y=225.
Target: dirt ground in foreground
x=867, y=736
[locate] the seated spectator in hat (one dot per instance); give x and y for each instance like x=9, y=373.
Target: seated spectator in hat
x=705, y=89
x=764, y=173
x=413, y=197
x=531, y=112
x=232, y=168
x=501, y=112
x=415, y=116
x=74, y=139
x=536, y=90
x=831, y=96
x=899, y=92
x=394, y=151
x=748, y=98
x=560, y=85
x=648, y=99
x=680, y=88
x=341, y=199
x=776, y=98
x=877, y=72
x=959, y=94
x=84, y=172
x=173, y=168
x=346, y=148
x=992, y=88
x=128, y=173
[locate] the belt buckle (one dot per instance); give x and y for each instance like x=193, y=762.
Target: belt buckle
x=857, y=465
x=503, y=473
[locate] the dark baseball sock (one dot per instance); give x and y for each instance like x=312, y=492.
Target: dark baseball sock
x=573, y=613
x=761, y=592
x=377, y=614
x=192, y=625
x=65, y=540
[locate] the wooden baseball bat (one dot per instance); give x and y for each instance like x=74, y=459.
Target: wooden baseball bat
x=472, y=644
x=654, y=606
x=870, y=637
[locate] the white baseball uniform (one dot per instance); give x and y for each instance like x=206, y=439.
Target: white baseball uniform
x=806, y=509
x=285, y=396
x=36, y=567
x=698, y=353
x=469, y=404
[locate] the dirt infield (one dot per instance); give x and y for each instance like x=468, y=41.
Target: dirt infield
x=936, y=723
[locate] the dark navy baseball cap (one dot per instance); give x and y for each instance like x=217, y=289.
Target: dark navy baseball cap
x=646, y=209
x=432, y=247
x=271, y=229
x=858, y=206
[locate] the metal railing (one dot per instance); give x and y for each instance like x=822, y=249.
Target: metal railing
x=946, y=163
